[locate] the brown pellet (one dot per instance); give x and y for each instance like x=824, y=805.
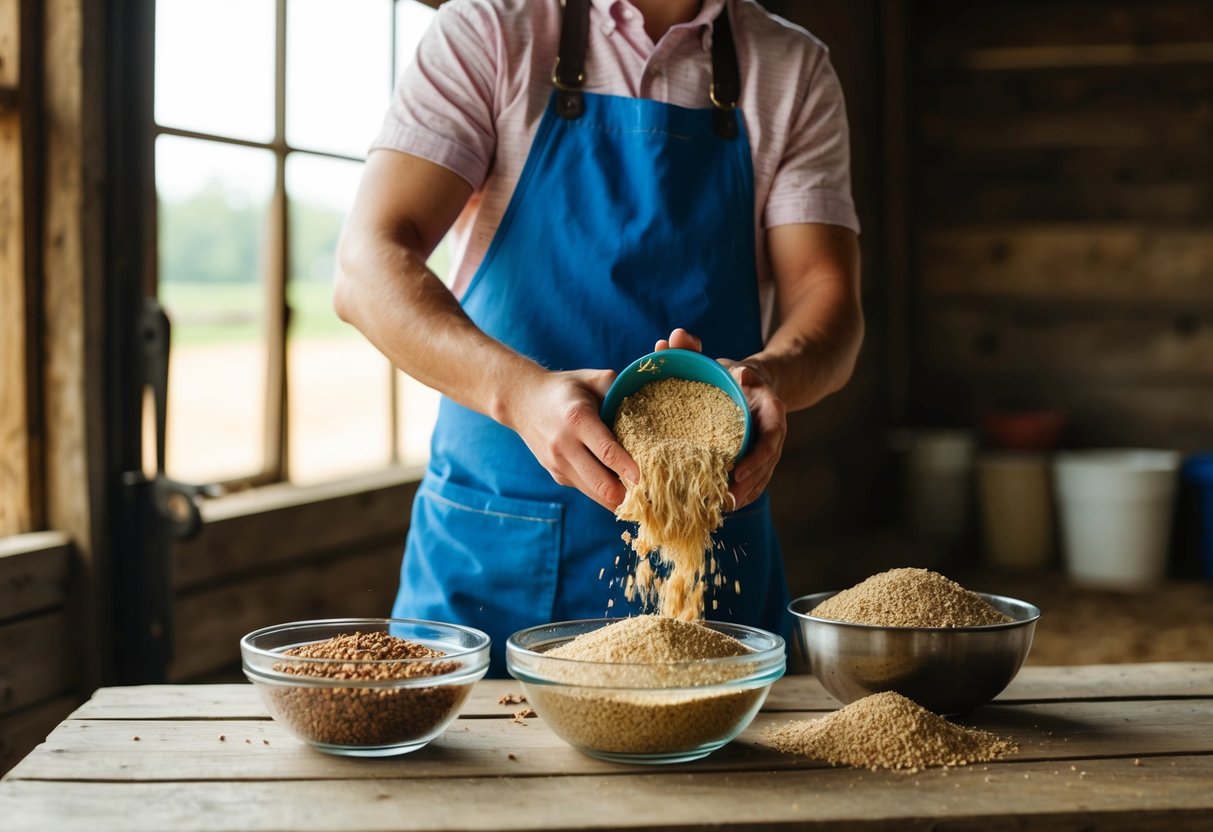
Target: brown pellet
x=887, y=731
x=363, y=716
x=910, y=598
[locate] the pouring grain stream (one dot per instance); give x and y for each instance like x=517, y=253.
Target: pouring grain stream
x=684, y=436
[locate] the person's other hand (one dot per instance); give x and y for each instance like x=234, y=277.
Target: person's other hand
x=767, y=433
x=679, y=339
x=558, y=419
x=769, y=427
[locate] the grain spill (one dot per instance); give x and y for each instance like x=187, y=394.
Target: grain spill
x=617, y=687
x=888, y=731
x=684, y=436
x=377, y=714
x=910, y=598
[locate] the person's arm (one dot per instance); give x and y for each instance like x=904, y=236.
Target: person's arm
x=404, y=206
x=813, y=349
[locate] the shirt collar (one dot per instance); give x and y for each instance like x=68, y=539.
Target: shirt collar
x=708, y=12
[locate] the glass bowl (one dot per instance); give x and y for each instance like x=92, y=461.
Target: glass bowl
x=644, y=713
x=948, y=670
x=358, y=716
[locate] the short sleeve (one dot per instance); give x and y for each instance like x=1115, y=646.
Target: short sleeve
x=442, y=108
x=812, y=182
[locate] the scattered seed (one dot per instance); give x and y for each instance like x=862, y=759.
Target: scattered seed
x=888, y=731
x=134, y=739
x=511, y=699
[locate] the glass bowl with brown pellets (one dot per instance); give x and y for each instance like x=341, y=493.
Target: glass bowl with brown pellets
x=916, y=633
x=646, y=689
x=365, y=687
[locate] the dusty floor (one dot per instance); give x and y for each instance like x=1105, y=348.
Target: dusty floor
x=1173, y=622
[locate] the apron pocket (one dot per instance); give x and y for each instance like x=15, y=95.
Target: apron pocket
x=481, y=559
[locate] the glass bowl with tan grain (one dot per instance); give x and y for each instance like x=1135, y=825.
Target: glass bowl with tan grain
x=365, y=707
x=645, y=712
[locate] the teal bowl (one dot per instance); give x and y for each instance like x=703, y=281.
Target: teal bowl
x=672, y=363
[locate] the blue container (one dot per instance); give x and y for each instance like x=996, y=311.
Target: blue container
x=1196, y=483
x=687, y=364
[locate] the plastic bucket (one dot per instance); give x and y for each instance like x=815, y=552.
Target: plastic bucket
x=1196, y=491
x=1116, y=508
x=1016, y=499
x=938, y=482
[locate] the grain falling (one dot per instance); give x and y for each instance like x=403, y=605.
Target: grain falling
x=888, y=731
x=910, y=598
x=684, y=436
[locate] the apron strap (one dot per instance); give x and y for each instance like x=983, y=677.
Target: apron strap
x=568, y=76
x=726, y=77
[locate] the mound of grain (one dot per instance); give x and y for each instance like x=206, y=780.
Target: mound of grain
x=362, y=716
x=910, y=598
x=888, y=731
x=684, y=436
x=651, y=700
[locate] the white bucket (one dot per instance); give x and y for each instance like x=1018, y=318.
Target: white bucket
x=1116, y=507
x=1016, y=499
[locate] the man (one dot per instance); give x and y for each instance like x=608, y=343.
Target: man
x=682, y=170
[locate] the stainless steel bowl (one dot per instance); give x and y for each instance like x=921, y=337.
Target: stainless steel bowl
x=948, y=670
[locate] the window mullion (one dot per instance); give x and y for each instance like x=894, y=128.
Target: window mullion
x=276, y=425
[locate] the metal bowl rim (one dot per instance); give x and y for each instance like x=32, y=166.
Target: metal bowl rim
x=1032, y=609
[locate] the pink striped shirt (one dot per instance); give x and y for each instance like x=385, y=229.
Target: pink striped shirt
x=472, y=99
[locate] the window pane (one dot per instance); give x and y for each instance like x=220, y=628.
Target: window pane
x=412, y=19
x=214, y=211
x=338, y=73
x=340, y=398
x=215, y=66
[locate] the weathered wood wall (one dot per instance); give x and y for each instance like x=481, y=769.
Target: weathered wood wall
x=1062, y=214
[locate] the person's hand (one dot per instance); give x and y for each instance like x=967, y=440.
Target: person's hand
x=557, y=417
x=769, y=427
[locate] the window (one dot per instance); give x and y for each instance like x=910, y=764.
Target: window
x=263, y=112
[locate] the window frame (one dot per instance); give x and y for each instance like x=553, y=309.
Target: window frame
x=276, y=432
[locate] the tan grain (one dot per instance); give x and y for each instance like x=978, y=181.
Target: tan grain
x=910, y=598
x=887, y=731
x=684, y=436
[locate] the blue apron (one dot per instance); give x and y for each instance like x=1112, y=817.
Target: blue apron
x=629, y=220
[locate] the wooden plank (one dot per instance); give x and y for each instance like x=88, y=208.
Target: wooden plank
x=1124, y=262
x=946, y=197
x=791, y=693
x=1102, y=796
x=244, y=532
x=208, y=624
x=191, y=750
x=20, y=732
x=1078, y=92
x=1160, y=124
x=73, y=346
x=36, y=651
x=1100, y=55
x=33, y=572
x=1126, y=344
x=946, y=28
x=1101, y=413
x=16, y=453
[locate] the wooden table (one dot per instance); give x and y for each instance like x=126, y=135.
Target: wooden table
x=1102, y=747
